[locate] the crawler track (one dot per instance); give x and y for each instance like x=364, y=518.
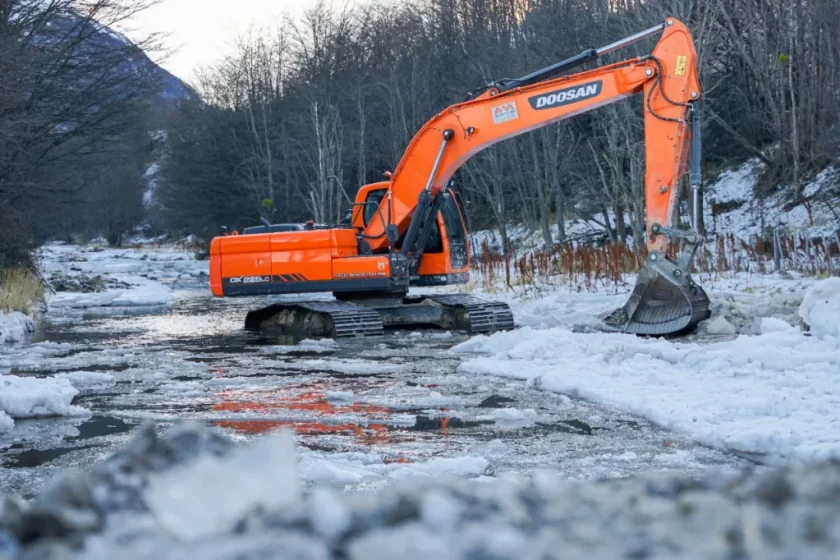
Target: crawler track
x=336, y=319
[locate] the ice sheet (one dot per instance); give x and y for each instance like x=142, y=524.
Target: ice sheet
x=776, y=392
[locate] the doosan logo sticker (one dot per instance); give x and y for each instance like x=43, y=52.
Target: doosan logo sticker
x=504, y=113
x=566, y=96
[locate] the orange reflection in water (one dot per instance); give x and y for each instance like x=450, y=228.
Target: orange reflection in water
x=310, y=401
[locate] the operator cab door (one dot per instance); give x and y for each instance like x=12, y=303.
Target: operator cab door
x=456, y=233
x=446, y=255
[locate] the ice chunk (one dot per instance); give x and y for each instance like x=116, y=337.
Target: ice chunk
x=718, y=325
x=6, y=423
x=329, y=516
x=88, y=379
x=440, y=510
x=31, y=397
x=409, y=540
x=513, y=418
x=143, y=293
x=821, y=308
x=343, y=396
x=310, y=346
x=13, y=326
x=772, y=324
x=443, y=466
x=209, y=495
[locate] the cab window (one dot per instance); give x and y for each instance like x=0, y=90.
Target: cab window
x=374, y=198
x=455, y=232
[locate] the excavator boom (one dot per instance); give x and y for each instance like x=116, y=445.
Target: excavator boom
x=667, y=79
x=410, y=229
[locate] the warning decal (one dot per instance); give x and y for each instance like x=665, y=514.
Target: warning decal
x=504, y=113
x=682, y=60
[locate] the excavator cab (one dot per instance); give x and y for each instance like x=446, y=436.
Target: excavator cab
x=445, y=252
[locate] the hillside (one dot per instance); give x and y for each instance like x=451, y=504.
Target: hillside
x=731, y=207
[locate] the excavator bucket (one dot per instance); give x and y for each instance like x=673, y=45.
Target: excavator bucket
x=665, y=301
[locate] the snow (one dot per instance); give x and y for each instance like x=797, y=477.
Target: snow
x=13, y=326
x=203, y=498
x=730, y=208
x=775, y=392
x=736, y=187
x=30, y=397
x=821, y=309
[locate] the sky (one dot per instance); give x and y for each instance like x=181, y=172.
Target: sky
x=202, y=31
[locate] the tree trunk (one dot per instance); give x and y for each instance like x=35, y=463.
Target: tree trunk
x=561, y=216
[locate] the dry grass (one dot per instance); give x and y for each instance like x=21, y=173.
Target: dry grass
x=587, y=267
x=20, y=290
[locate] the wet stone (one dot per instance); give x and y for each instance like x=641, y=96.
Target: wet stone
x=495, y=401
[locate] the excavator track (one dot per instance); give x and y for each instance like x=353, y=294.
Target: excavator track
x=477, y=315
x=369, y=318
x=330, y=319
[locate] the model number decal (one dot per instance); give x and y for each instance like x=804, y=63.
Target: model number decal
x=249, y=280
x=566, y=96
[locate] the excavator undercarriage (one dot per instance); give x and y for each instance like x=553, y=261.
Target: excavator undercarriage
x=371, y=316
x=410, y=229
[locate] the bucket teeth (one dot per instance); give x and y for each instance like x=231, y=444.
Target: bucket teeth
x=664, y=302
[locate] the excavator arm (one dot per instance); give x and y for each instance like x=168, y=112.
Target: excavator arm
x=667, y=79
x=666, y=300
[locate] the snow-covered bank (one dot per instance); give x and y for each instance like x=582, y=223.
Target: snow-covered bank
x=775, y=393
x=194, y=494
x=14, y=326
x=743, y=215
x=730, y=208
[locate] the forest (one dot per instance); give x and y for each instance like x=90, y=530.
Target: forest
x=305, y=111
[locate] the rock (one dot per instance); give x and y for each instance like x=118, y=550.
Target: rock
x=121, y=479
x=495, y=401
x=82, y=283
x=77, y=283
x=65, y=510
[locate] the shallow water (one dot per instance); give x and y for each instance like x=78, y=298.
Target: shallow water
x=409, y=403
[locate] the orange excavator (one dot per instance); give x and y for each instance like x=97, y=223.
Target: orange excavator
x=410, y=230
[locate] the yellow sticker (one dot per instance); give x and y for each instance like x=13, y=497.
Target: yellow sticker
x=682, y=61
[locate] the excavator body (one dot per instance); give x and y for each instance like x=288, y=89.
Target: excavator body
x=371, y=289
x=410, y=230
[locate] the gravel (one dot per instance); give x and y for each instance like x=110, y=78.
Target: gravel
x=134, y=505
